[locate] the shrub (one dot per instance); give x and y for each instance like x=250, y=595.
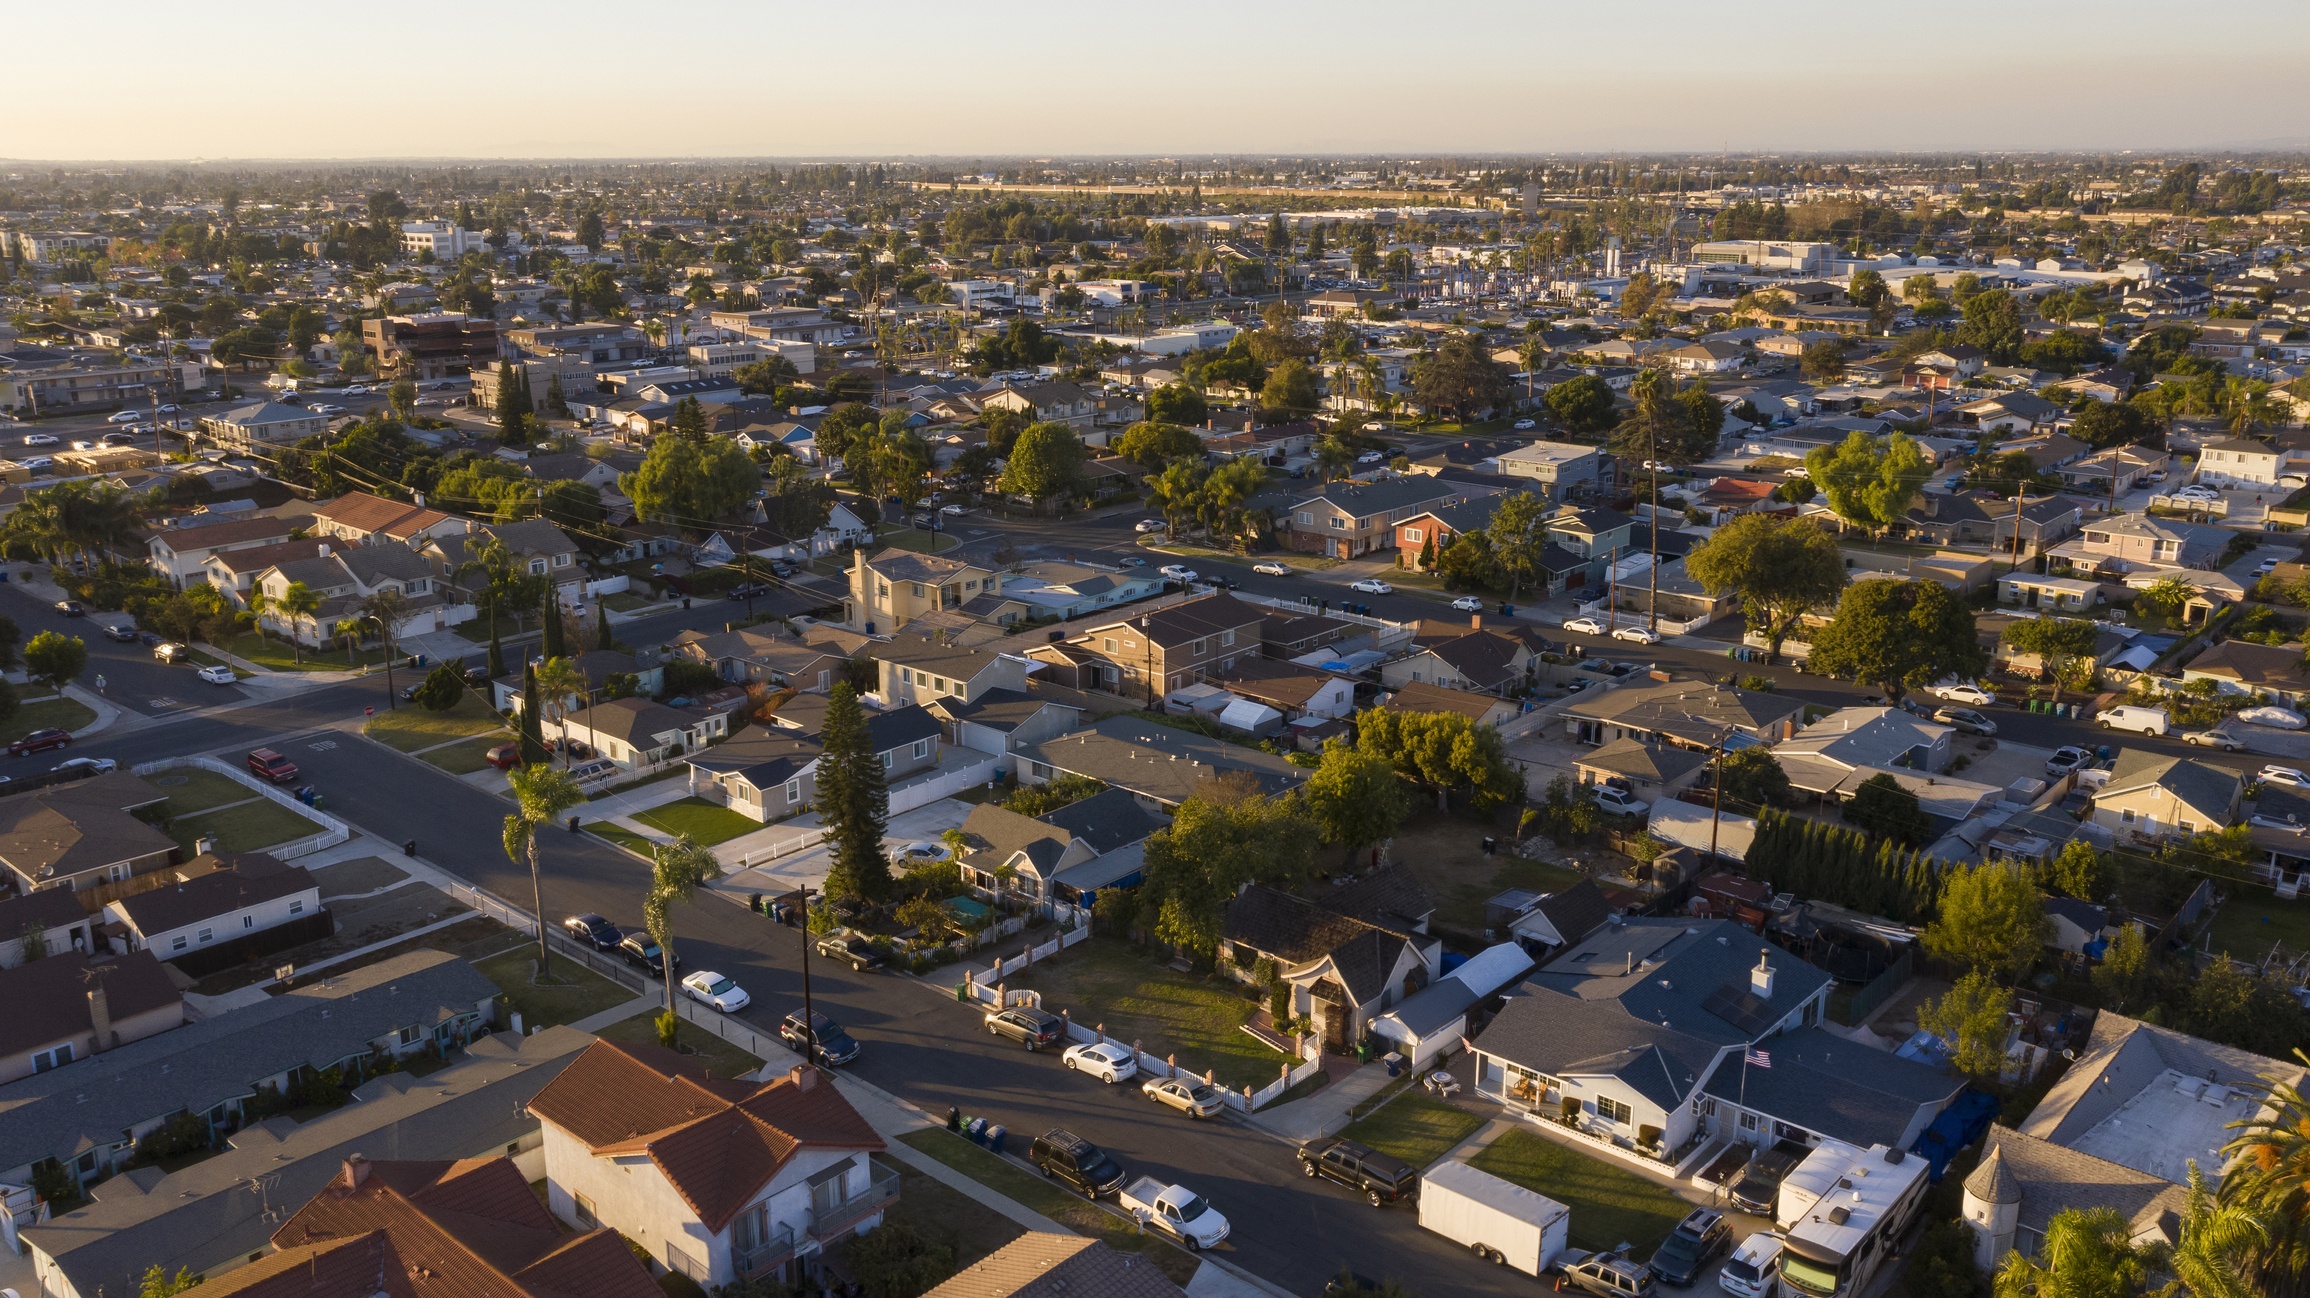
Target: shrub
x=668, y=1025
x=443, y=687
x=899, y=1260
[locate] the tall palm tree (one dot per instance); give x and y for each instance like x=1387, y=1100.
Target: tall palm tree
x=558, y=679
x=675, y=873
x=389, y=609
x=2217, y=1245
x=298, y=603
x=2269, y=1170
x=2087, y=1253
x=540, y=795
x=348, y=631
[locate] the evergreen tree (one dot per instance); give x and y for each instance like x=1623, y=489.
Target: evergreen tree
x=553, y=646
x=602, y=637
x=1428, y=552
x=532, y=720
x=514, y=407
x=853, y=800
x=496, y=655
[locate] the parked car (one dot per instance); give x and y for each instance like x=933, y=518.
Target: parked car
x=851, y=950
x=1177, y=571
x=1690, y=1248
x=2215, y=738
x=504, y=757
x=1525, y=425
x=1027, y=1025
x=1759, y=1188
x=1584, y=625
x=1105, y=1060
x=1965, y=720
x=92, y=765
x=71, y=608
x=1371, y=586
x=1381, y=1179
x=1749, y=1272
x=1619, y=802
x=1176, y=1211
x=266, y=764
x=710, y=988
x=1145, y=525
x=953, y=511
x=169, y=651
x=643, y=952
x=120, y=633
x=1607, y=1275
x=218, y=674
x=2066, y=759
x=2273, y=716
x=1081, y=1166
x=748, y=590
x=2288, y=775
x=1468, y=604
x=40, y=741
x=823, y=1037
x=1639, y=634
x=1968, y=694
x=2148, y=721
x=594, y=931
x=1187, y=1095
x=1273, y=568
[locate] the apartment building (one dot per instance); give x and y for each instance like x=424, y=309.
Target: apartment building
x=1558, y=467
x=1170, y=648
x=430, y=346
x=262, y=426
x=597, y=342
x=1346, y=519
x=442, y=240
x=61, y=383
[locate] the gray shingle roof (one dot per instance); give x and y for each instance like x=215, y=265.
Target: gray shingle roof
x=1839, y=1088
x=1158, y=762
x=1106, y=820
x=2210, y=790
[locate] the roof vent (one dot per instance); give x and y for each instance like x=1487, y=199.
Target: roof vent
x=1839, y=1215
x=1893, y=1155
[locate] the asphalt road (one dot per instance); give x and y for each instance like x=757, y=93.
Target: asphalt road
x=133, y=678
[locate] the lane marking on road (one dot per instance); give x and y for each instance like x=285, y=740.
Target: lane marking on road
x=324, y=746
x=162, y=703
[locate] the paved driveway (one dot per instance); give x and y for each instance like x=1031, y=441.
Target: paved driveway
x=809, y=866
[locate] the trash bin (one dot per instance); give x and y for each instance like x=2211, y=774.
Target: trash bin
x=977, y=1131
x=409, y=848
x=1490, y=844
x=754, y=902
x=953, y=1118
x=573, y=824
x=995, y=1139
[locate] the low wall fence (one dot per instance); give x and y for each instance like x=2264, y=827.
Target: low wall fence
x=334, y=831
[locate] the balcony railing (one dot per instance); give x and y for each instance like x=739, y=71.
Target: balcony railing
x=754, y=1261
x=832, y=1224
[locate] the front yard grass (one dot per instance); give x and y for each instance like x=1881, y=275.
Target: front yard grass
x=192, y=789
x=939, y=1211
x=248, y=827
x=1045, y=1197
x=278, y=655
x=1139, y=998
x=1415, y=1129
x=2253, y=918
x=725, y=1059
x=618, y=834
x=917, y=540
x=466, y=757
x=410, y=727
x=61, y=714
x=1609, y=1206
x=575, y=993
x=707, y=822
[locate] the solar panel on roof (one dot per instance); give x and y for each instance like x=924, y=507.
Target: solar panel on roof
x=1741, y=1008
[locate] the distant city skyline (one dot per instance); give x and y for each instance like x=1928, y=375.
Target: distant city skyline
x=149, y=81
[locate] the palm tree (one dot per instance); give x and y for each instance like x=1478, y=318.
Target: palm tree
x=298, y=603
x=2087, y=1253
x=2269, y=1169
x=348, y=630
x=540, y=795
x=2218, y=1242
x=675, y=873
x=389, y=609
x=557, y=680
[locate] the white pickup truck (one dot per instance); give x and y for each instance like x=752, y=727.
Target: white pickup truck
x=1175, y=1210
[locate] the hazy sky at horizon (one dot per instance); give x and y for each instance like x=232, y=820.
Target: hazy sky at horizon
x=143, y=80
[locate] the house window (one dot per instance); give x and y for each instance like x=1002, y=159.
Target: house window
x=917, y=589
x=585, y=1212
x=1613, y=1111
x=830, y=1189
x=1306, y=517
x=1196, y=650
x=886, y=761
x=206, y=935
x=1414, y=535
x=922, y=748
x=1107, y=644
x=537, y=567
x=1339, y=524
x=1750, y=1121
x=1227, y=637
x=407, y=1036
x=178, y=943
x=2126, y=816
x=297, y=907
x=793, y=791
x=561, y=561
x=248, y=921
x=56, y=1058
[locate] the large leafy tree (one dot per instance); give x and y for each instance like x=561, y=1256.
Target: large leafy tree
x=1869, y=480
x=55, y=660
x=1046, y=461
x=1153, y=445
x=1882, y=807
x=1753, y=776
x=1991, y=919
x=1225, y=835
x=1899, y=635
x=1782, y=569
x=1668, y=425
x=1993, y=323
x=2113, y=423
x=1460, y=377
x=689, y=483
x=853, y=801
x=1582, y=405
x=1518, y=532
x=1177, y=404
x=1354, y=797
x=1445, y=752
x=2062, y=644
x=1971, y=1017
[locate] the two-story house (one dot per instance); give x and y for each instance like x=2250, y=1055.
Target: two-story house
x=1062, y=857
x=234, y=573
x=1558, y=467
x=2130, y=543
x=363, y=519
x=262, y=426
x=344, y=576
x=1348, y=956
x=2243, y=463
x=181, y=554
x=895, y=587
x=535, y=545
x=723, y=1181
x=1584, y=541
x=913, y=669
x=1169, y=648
x=1046, y=403
x=1423, y=538
x=1349, y=518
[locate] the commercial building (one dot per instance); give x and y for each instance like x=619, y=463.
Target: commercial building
x=430, y=346
x=442, y=240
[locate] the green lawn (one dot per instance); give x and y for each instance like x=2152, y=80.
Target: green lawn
x=917, y=540
x=1106, y=980
x=277, y=654
x=725, y=1059
x=410, y=727
x=247, y=827
x=626, y=602
x=63, y=714
x=2255, y=917
x=466, y=757
x=619, y=835
x=707, y=822
x=1415, y=1129
x=1609, y=1206
x=1010, y=1179
x=191, y=789
x=575, y=993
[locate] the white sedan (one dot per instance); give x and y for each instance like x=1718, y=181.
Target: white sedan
x=1187, y=1095
x=1963, y=693
x=713, y=989
x=43, y=439
x=93, y=765
x=2284, y=775
x=1177, y=572
x=218, y=674
x=1523, y=425
x=1468, y=604
x=1146, y=525
x=1273, y=568
x=1639, y=634
x=1372, y=586
x=953, y=511
x=1584, y=625
x=1105, y=1060
x=123, y=417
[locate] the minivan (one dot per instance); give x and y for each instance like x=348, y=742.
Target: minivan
x=2149, y=721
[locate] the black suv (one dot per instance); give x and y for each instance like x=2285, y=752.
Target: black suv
x=1689, y=1248
x=1027, y=1025
x=641, y=951
x=851, y=950
x=594, y=931
x=1086, y=1169
x=830, y=1044
x=1759, y=1188
x=1382, y=1179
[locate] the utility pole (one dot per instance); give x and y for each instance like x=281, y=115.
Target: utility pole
x=809, y=1018
x=1652, y=471
x=1716, y=796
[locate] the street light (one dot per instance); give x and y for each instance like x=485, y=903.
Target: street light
x=392, y=700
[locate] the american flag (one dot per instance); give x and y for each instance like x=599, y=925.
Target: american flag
x=1758, y=1059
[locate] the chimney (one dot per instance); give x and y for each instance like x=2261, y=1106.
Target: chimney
x=1761, y=977
x=100, y=1018
x=322, y=550
x=803, y=1078
x=1475, y=621
x=355, y=1173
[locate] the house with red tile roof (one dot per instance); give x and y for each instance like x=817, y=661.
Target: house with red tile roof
x=720, y=1179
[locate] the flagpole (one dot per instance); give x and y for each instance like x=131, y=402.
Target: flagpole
x=1744, y=1076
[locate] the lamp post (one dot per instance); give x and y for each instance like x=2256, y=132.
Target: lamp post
x=1147, y=645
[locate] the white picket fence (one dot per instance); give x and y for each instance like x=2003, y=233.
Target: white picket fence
x=334, y=831
x=771, y=853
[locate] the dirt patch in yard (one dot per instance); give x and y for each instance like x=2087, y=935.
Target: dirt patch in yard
x=359, y=875
x=1446, y=854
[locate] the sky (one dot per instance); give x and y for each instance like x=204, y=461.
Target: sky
x=139, y=80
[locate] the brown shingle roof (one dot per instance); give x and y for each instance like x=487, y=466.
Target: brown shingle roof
x=68, y=828
x=716, y=1141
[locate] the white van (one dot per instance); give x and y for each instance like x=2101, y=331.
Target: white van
x=2149, y=721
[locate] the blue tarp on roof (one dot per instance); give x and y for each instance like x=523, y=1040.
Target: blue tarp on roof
x=1958, y=1126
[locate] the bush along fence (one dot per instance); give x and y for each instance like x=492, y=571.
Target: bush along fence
x=1845, y=866
x=996, y=996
